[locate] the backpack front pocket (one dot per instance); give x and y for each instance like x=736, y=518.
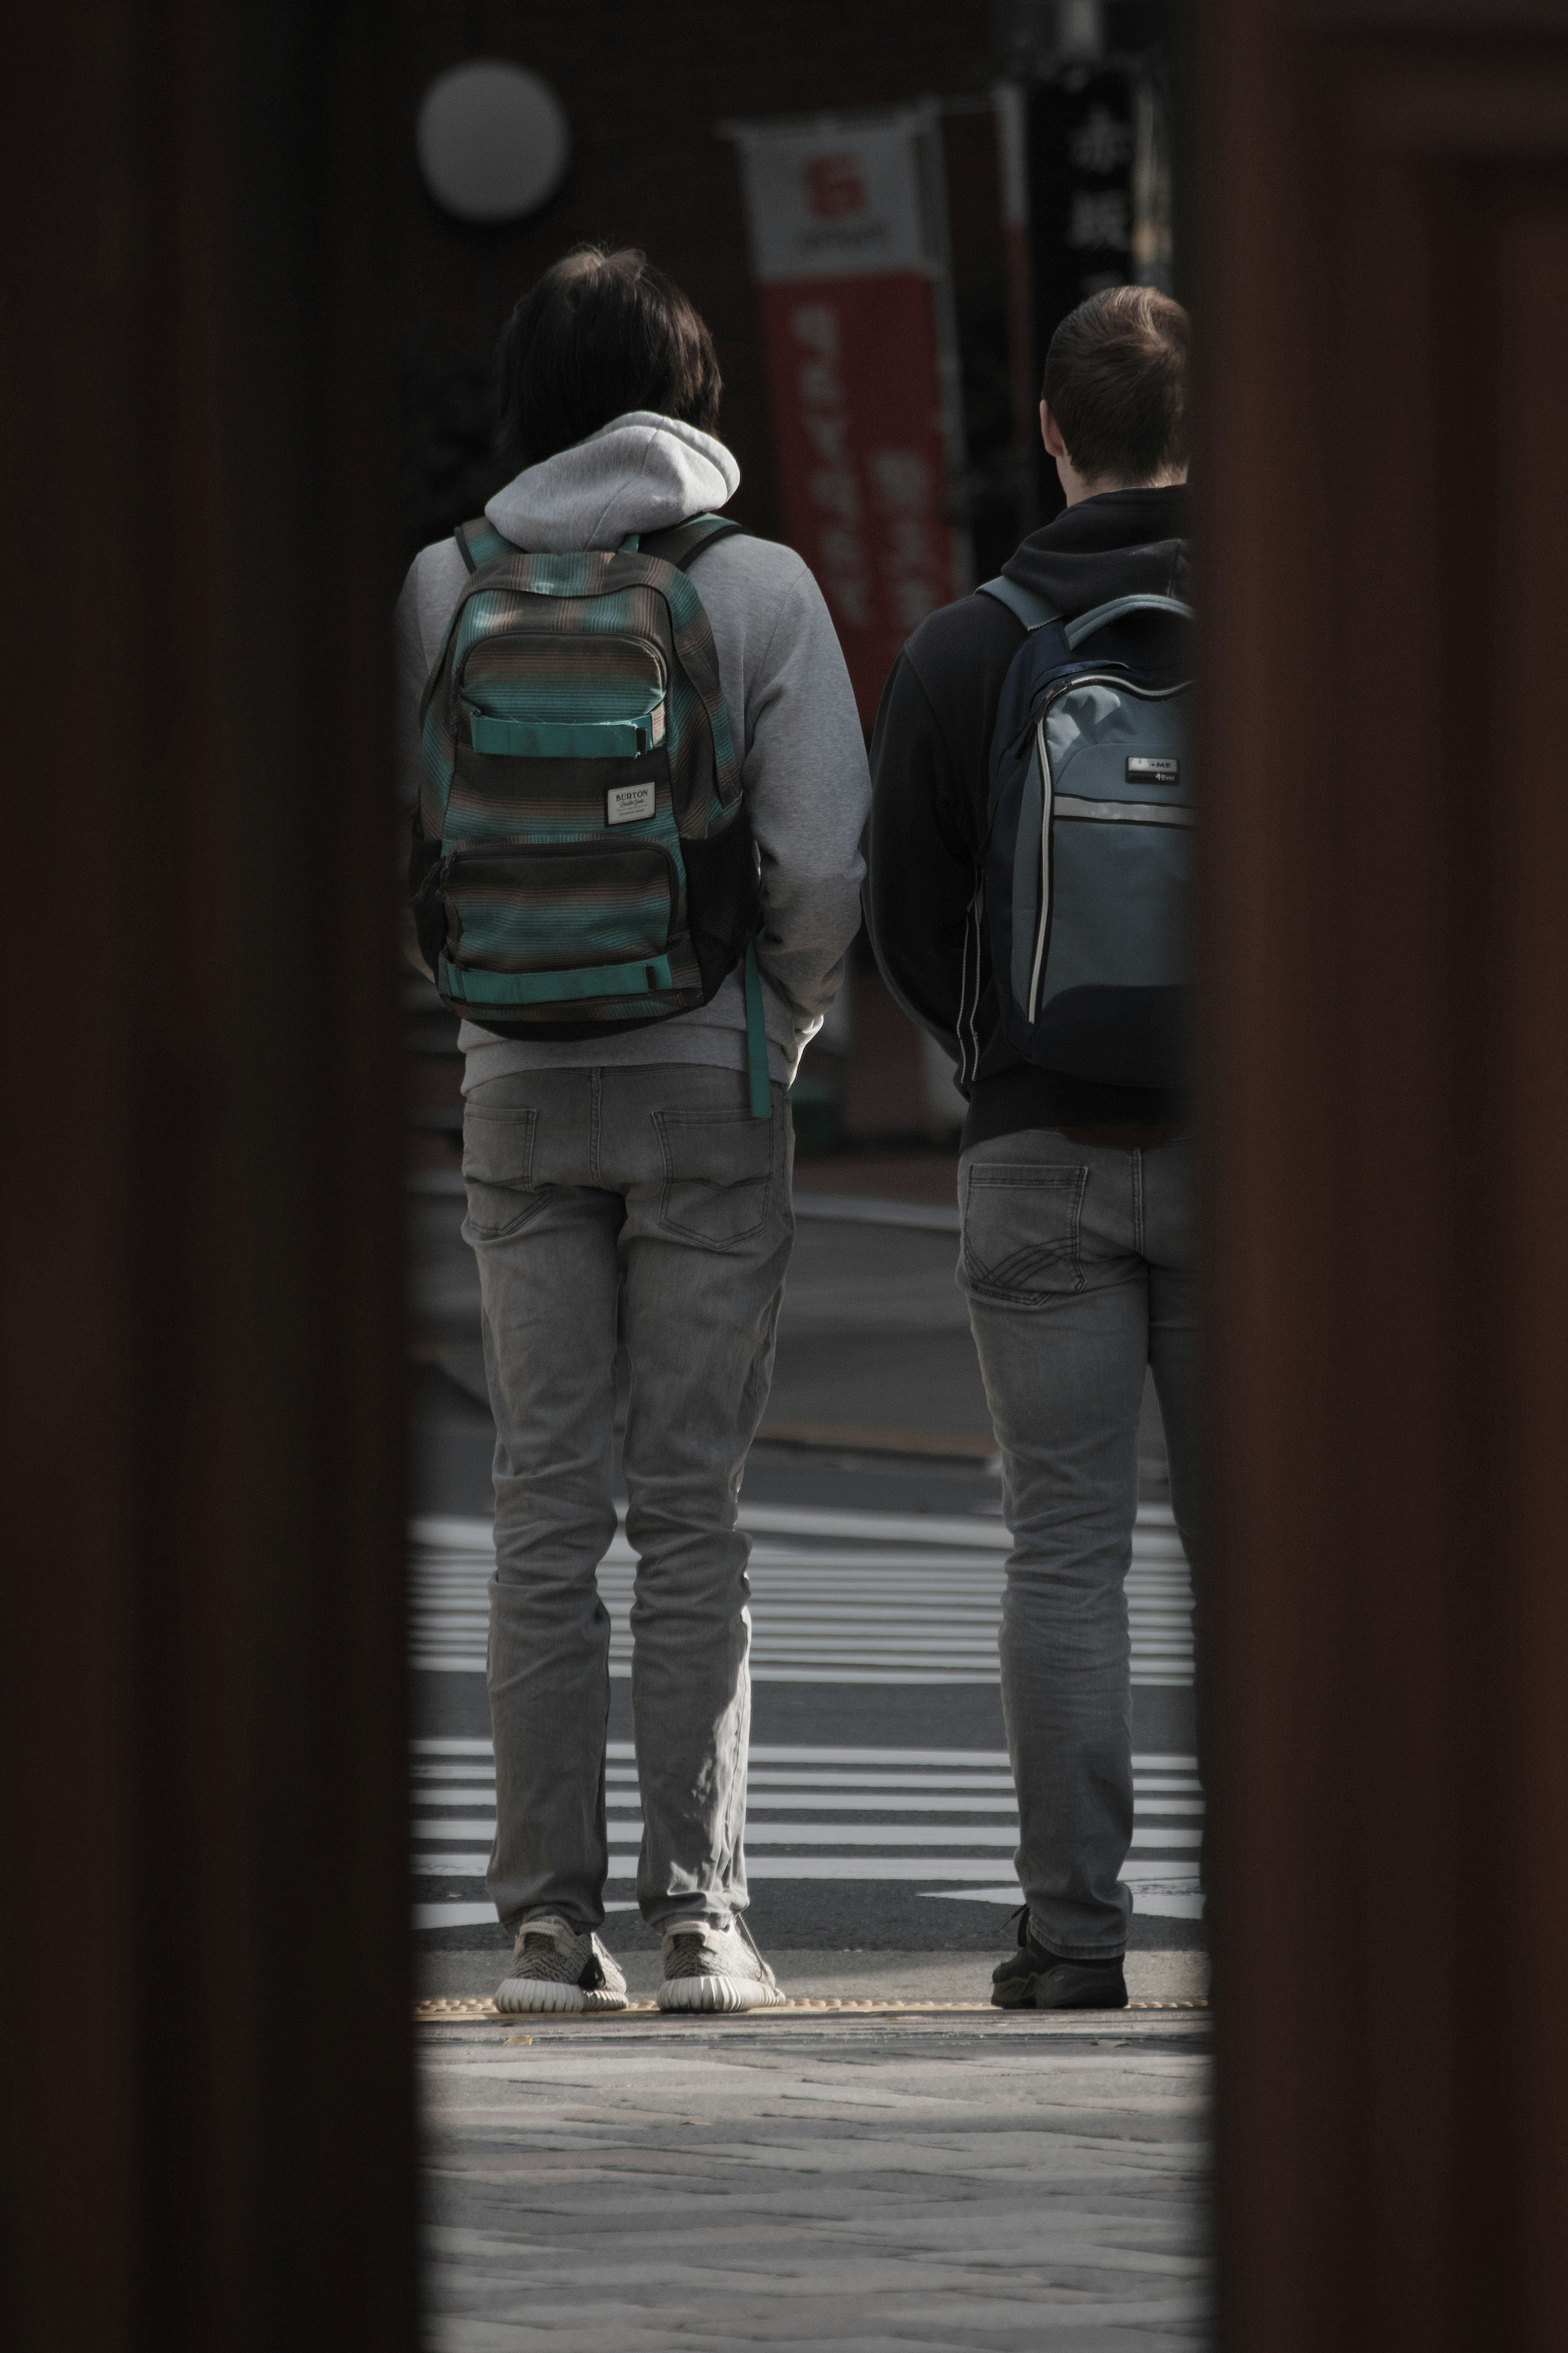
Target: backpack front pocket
x=530, y=923
x=542, y=695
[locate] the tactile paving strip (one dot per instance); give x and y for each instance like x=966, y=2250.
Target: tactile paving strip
x=479, y=2009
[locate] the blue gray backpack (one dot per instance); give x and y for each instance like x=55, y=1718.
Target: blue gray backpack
x=582, y=859
x=1088, y=867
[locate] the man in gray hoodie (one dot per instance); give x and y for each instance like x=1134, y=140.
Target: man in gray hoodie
x=622, y=1181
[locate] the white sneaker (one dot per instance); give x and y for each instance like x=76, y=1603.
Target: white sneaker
x=557, y=1966
x=715, y=1968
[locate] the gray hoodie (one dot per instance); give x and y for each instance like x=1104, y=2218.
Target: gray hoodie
x=803, y=761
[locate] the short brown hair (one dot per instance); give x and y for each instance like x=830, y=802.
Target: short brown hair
x=1116, y=384
x=601, y=332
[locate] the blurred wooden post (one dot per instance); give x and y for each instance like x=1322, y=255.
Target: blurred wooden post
x=208, y=2122
x=1380, y=208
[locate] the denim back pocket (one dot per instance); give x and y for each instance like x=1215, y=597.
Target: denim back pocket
x=718, y=1175
x=1022, y=1226
x=497, y=1171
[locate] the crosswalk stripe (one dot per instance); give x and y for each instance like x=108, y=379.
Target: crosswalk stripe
x=863, y=1802
x=961, y=1872
x=624, y=1753
x=927, y=1835
x=873, y=1597
x=937, y=1839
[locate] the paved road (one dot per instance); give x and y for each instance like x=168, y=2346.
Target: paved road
x=881, y=1814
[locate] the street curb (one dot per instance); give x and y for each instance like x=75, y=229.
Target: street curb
x=480, y=2011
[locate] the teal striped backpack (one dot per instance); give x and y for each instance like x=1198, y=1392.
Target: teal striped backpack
x=582, y=863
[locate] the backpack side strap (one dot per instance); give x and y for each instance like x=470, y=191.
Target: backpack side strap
x=1022, y=603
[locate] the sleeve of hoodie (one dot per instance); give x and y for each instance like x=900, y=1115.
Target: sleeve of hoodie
x=922, y=853
x=418, y=623
x=929, y=762
x=806, y=783
x=433, y=585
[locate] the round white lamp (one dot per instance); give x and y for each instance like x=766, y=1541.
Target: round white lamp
x=493, y=141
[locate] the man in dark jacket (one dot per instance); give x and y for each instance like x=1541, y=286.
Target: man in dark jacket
x=1074, y=1196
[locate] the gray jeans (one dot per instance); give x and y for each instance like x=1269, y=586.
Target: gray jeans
x=1077, y=1264
x=645, y=1194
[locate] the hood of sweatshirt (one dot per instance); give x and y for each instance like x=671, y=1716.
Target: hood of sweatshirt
x=640, y=473
x=1119, y=543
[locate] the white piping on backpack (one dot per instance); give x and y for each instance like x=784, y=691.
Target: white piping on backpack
x=1032, y=1009
x=969, y=991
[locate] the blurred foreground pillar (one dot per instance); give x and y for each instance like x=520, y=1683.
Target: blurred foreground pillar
x=208, y=2119
x=1381, y=201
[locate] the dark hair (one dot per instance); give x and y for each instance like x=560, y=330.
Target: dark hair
x=1116, y=384
x=601, y=332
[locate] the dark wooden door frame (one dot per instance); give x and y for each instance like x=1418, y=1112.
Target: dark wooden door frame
x=209, y=2126
x=1381, y=218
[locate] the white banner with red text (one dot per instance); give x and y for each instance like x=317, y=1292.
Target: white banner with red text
x=846, y=218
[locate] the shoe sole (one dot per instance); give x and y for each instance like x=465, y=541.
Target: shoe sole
x=1044, y=2009
x=717, y=1993
x=534, y=1997
x=1095, y=1999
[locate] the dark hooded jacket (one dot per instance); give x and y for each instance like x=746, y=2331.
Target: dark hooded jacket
x=929, y=771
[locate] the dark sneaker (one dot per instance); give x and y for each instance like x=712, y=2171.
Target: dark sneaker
x=715, y=1968
x=559, y=1968
x=1033, y=1978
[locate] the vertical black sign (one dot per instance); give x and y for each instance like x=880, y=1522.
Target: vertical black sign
x=1080, y=202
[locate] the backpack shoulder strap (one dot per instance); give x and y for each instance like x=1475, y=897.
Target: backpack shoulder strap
x=480, y=543
x=1087, y=624
x=684, y=541
x=1022, y=603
